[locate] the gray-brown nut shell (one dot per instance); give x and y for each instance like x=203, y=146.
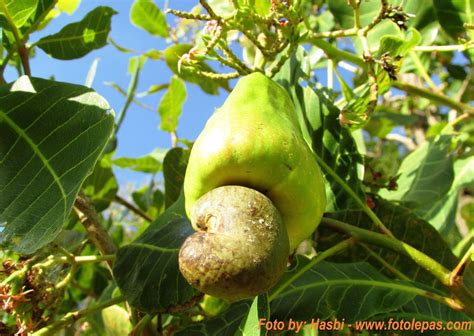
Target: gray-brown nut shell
x=242, y=247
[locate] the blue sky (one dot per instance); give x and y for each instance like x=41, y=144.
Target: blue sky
x=140, y=133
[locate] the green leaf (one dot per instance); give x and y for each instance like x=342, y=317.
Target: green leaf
x=52, y=135
x=225, y=324
x=351, y=291
x=442, y=213
x=68, y=6
x=146, y=15
x=147, y=271
x=453, y=14
x=174, y=168
x=78, y=39
x=101, y=186
x=16, y=12
x=150, y=163
x=423, y=309
x=171, y=105
x=344, y=13
x=260, y=309
x=426, y=176
x=407, y=227
x=321, y=129
x=149, y=199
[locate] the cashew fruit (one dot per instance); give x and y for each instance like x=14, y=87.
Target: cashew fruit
x=254, y=141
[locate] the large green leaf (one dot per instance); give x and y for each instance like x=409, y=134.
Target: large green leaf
x=453, y=14
x=80, y=38
x=426, y=176
x=353, y=291
x=51, y=136
x=147, y=271
x=321, y=129
x=407, y=227
x=171, y=105
x=424, y=309
x=442, y=213
x=146, y=15
x=16, y=12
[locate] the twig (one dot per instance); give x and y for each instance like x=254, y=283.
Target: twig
x=22, y=49
x=445, y=48
x=88, y=216
x=420, y=67
x=74, y=316
x=189, y=16
x=174, y=139
x=439, y=271
x=137, y=330
x=407, y=142
x=434, y=97
x=133, y=208
x=376, y=220
x=130, y=94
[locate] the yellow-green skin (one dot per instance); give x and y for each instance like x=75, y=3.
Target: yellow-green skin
x=254, y=140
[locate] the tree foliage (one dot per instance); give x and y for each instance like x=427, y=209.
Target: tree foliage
x=383, y=92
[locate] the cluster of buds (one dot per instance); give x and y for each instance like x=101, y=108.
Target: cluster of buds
x=397, y=15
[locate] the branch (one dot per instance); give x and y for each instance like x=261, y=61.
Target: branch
x=424, y=261
x=351, y=192
x=454, y=283
x=71, y=317
x=407, y=142
x=131, y=207
x=434, y=97
x=88, y=216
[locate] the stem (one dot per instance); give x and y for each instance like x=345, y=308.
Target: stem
x=446, y=48
x=130, y=94
x=76, y=260
x=405, y=141
x=131, y=207
x=424, y=261
x=74, y=316
x=356, y=198
x=423, y=72
x=434, y=97
x=336, y=54
x=22, y=50
x=138, y=329
x=339, y=247
x=334, y=34
x=88, y=217
x=174, y=139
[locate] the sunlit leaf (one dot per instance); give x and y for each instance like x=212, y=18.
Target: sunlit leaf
x=146, y=15
x=171, y=105
x=78, y=39
x=52, y=135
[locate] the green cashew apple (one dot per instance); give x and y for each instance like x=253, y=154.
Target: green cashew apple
x=253, y=141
